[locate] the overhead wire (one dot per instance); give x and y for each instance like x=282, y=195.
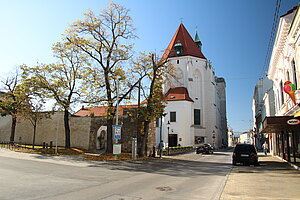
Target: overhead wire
x=272, y=36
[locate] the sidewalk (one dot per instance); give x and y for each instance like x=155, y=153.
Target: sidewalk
x=273, y=179
x=63, y=160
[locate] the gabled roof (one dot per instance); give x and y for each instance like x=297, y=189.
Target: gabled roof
x=189, y=46
x=100, y=110
x=177, y=94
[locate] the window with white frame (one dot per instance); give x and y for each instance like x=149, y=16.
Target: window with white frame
x=294, y=73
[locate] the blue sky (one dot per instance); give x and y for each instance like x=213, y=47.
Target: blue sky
x=234, y=34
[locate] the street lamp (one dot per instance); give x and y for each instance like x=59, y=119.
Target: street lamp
x=168, y=127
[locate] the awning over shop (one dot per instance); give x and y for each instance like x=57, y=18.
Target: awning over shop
x=276, y=124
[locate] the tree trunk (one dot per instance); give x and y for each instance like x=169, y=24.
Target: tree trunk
x=13, y=129
x=109, y=144
x=34, y=132
x=67, y=129
x=140, y=144
x=145, y=141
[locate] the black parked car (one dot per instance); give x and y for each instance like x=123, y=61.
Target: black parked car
x=245, y=154
x=204, y=148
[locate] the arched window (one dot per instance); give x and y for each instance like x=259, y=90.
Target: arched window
x=294, y=73
x=197, y=83
x=288, y=75
x=281, y=93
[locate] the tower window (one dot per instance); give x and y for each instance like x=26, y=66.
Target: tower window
x=197, y=119
x=172, y=116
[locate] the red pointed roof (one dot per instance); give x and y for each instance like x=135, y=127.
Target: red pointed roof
x=178, y=93
x=189, y=46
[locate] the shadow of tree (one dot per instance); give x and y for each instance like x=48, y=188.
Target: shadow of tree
x=171, y=167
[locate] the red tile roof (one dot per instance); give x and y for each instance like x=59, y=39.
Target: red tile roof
x=178, y=93
x=100, y=110
x=189, y=46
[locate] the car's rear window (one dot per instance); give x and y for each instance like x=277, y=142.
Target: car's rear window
x=246, y=148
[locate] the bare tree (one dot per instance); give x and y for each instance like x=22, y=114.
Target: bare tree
x=14, y=99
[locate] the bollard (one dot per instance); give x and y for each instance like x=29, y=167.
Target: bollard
x=134, y=148
x=51, y=144
x=47, y=146
x=44, y=145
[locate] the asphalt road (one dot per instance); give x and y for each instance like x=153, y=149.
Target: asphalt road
x=189, y=176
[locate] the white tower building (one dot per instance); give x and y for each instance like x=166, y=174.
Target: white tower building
x=196, y=109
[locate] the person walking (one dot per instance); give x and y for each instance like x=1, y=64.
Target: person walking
x=265, y=148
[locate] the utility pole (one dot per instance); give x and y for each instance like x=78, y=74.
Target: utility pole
x=160, y=146
x=168, y=127
x=139, y=105
x=116, y=128
x=56, y=139
x=117, y=106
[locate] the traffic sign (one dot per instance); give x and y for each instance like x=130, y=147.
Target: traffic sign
x=117, y=131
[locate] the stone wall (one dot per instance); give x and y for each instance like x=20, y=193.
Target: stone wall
x=96, y=123
x=48, y=130
x=83, y=131
x=129, y=131
x=5, y=127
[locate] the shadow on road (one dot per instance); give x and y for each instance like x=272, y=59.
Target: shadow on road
x=267, y=164
x=171, y=167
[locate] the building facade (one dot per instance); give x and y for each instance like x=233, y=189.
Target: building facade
x=282, y=129
x=196, y=109
x=262, y=106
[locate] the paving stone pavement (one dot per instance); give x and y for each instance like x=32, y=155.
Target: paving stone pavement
x=273, y=179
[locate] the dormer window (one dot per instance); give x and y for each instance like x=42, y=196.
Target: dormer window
x=178, y=49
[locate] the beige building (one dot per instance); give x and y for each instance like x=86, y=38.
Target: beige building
x=282, y=131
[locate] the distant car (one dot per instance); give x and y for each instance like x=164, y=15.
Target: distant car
x=204, y=148
x=245, y=154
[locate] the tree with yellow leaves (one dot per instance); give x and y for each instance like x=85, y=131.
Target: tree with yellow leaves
x=156, y=70
x=61, y=81
x=105, y=39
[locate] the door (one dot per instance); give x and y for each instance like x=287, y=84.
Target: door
x=173, y=140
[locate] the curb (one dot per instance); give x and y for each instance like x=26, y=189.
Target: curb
x=291, y=164
x=220, y=192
